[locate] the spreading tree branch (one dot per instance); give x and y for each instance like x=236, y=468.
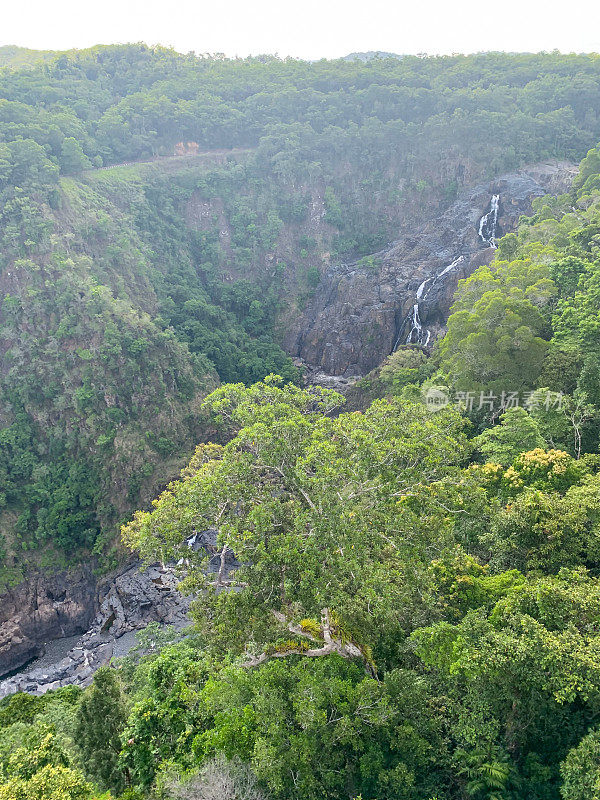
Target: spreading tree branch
x=332, y=642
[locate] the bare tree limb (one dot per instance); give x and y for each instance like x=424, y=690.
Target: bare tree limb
x=331, y=644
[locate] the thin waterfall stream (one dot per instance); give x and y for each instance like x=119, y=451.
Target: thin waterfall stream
x=489, y=222
x=417, y=334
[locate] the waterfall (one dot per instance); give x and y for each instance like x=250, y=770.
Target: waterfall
x=417, y=334
x=416, y=331
x=422, y=286
x=449, y=268
x=488, y=223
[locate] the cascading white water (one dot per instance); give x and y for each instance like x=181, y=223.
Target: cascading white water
x=488, y=225
x=422, y=286
x=416, y=330
x=417, y=334
x=489, y=222
x=449, y=268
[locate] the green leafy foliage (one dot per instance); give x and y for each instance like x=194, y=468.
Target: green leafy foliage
x=517, y=432
x=100, y=720
x=415, y=607
x=34, y=764
x=325, y=160
x=580, y=771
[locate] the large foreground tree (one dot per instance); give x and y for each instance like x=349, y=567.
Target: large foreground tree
x=317, y=507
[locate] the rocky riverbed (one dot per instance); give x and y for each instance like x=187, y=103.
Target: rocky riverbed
x=124, y=604
x=41, y=617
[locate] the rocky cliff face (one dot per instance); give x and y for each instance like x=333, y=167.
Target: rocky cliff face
x=58, y=607
x=43, y=608
x=362, y=311
x=110, y=611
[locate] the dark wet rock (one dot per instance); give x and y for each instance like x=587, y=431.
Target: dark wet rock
x=205, y=543
x=125, y=602
x=42, y=608
x=136, y=597
x=361, y=311
x=119, y=605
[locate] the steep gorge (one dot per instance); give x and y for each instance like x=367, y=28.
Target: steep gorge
x=322, y=214
x=359, y=313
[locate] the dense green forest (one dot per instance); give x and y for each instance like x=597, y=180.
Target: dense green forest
x=416, y=615
x=417, y=611
x=129, y=292
x=16, y=57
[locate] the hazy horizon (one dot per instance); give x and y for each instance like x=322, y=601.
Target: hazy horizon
x=216, y=53
x=311, y=31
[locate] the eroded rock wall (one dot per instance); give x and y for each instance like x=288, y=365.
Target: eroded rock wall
x=47, y=608
x=43, y=608
x=360, y=310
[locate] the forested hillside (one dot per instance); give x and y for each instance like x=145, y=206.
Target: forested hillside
x=415, y=607
x=128, y=292
x=417, y=611
x=16, y=57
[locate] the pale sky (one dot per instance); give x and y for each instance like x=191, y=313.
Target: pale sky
x=308, y=29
